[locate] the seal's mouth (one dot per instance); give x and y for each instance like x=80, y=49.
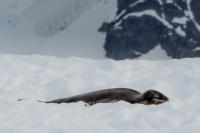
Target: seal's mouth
x=159, y=100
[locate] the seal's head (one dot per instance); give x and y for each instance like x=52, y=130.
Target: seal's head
x=154, y=97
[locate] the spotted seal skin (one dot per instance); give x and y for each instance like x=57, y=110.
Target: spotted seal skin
x=149, y=97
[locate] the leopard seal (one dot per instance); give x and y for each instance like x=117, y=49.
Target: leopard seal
x=111, y=95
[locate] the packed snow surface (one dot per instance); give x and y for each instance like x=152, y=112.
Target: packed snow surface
x=46, y=78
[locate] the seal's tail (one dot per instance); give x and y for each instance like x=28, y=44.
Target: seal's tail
x=58, y=101
x=64, y=100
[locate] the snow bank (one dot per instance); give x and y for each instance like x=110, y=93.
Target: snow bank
x=46, y=78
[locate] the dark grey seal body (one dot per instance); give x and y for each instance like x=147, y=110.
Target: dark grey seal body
x=115, y=95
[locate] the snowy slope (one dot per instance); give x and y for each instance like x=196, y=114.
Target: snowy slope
x=46, y=78
x=43, y=17
x=59, y=28
x=48, y=17
x=82, y=38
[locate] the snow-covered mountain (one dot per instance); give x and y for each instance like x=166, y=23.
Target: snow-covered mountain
x=141, y=25
x=42, y=17
x=59, y=28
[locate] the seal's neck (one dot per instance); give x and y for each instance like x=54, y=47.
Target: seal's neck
x=138, y=99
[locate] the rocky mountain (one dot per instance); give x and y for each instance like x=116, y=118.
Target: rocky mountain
x=141, y=25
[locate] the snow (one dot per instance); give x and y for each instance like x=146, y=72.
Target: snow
x=181, y=20
x=160, y=2
x=46, y=78
x=155, y=54
x=136, y=3
x=43, y=17
x=180, y=31
x=169, y=1
x=30, y=33
x=120, y=14
x=152, y=13
x=11, y=11
x=82, y=38
x=60, y=15
x=197, y=49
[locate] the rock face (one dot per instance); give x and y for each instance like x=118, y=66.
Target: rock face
x=141, y=25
